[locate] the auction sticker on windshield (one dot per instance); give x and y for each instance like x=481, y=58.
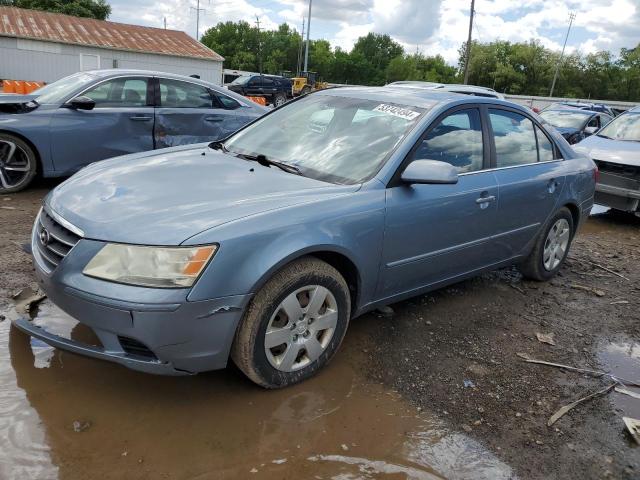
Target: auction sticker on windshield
x=397, y=111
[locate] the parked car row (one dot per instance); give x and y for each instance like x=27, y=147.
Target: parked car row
x=92, y=116
x=262, y=247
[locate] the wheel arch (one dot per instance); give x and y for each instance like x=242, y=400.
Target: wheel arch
x=335, y=256
x=575, y=214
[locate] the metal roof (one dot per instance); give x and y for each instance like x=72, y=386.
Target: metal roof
x=56, y=27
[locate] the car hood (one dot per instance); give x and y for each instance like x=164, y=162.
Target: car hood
x=13, y=103
x=616, y=151
x=163, y=198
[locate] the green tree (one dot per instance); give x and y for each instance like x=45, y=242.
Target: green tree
x=98, y=9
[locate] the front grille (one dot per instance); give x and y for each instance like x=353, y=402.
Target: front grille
x=628, y=171
x=53, y=241
x=134, y=347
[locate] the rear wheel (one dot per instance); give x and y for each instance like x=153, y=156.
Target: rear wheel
x=17, y=164
x=294, y=325
x=279, y=99
x=551, y=248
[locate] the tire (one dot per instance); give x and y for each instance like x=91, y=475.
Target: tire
x=305, y=90
x=279, y=99
x=18, y=164
x=269, y=364
x=541, y=266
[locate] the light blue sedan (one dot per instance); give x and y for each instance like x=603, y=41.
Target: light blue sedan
x=91, y=116
x=262, y=248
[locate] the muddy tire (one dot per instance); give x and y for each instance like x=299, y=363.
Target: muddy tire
x=294, y=324
x=551, y=247
x=279, y=100
x=18, y=164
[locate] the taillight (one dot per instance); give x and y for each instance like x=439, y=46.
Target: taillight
x=596, y=174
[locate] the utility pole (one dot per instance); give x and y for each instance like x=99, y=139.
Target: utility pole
x=468, y=52
x=306, y=52
x=572, y=17
x=198, y=10
x=298, y=65
x=165, y=23
x=259, y=46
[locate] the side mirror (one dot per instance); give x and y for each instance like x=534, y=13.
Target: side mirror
x=430, y=172
x=81, y=103
x=590, y=130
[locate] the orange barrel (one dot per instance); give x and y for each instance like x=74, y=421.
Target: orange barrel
x=8, y=86
x=21, y=87
x=258, y=100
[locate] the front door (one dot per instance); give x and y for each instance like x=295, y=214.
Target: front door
x=120, y=123
x=435, y=233
x=189, y=113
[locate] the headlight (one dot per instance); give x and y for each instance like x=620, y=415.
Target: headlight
x=150, y=266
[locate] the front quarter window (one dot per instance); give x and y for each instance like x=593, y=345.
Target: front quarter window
x=331, y=138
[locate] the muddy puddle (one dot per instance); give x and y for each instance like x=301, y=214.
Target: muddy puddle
x=69, y=417
x=622, y=359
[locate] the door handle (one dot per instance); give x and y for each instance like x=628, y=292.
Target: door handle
x=140, y=118
x=213, y=119
x=485, y=200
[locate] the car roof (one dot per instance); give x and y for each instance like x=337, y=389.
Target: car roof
x=119, y=72
x=418, y=97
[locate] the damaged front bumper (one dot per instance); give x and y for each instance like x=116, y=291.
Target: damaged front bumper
x=618, y=186
x=146, y=329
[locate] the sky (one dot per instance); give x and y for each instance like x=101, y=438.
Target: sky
x=430, y=26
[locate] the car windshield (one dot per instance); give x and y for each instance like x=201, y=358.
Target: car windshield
x=57, y=92
x=241, y=80
x=330, y=138
x=625, y=127
x=566, y=118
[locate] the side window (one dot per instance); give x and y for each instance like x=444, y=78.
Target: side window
x=457, y=140
x=594, y=122
x=120, y=92
x=267, y=82
x=254, y=82
x=514, y=138
x=545, y=147
x=604, y=119
x=227, y=102
x=177, y=94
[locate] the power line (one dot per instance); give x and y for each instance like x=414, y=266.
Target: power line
x=572, y=17
x=468, y=52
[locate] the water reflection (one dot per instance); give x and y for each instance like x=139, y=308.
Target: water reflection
x=216, y=425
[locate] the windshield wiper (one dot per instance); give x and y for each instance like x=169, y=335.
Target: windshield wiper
x=603, y=136
x=264, y=161
x=218, y=146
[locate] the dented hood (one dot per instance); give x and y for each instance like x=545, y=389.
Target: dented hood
x=165, y=198
x=608, y=150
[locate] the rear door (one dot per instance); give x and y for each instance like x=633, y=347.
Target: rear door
x=189, y=113
x=435, y=233
x=530, y=174
x=120, y=123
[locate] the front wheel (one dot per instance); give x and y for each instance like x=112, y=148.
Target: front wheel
x=294, y=325
x=17, y=164
x=551, y=248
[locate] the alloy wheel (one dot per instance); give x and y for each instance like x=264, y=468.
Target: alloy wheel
x=15, y=164
x=301, y=327
x=556, y=244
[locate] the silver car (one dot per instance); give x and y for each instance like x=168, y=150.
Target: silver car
x=616, y=151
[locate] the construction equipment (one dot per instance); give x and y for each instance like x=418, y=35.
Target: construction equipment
x=306, y=83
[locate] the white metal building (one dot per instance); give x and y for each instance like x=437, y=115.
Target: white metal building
x=43, y=46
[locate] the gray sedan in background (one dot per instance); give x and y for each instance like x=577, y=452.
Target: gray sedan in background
x=616, y=151
x=91, y=116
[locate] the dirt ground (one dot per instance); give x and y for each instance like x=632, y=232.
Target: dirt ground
x=451, y=355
